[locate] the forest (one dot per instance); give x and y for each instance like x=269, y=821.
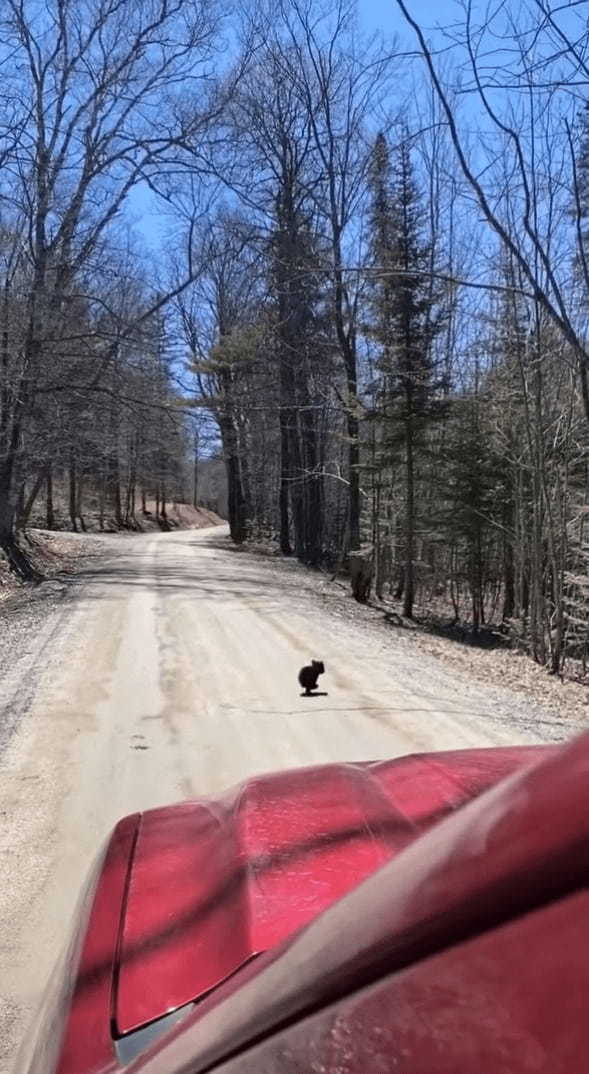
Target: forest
x=352, y=264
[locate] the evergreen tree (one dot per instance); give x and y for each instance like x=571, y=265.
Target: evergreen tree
x=405, y=323
x=580, y=205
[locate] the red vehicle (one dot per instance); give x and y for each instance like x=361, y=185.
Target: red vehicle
x=348, y=919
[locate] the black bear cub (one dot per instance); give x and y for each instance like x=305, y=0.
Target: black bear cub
x=308, y=675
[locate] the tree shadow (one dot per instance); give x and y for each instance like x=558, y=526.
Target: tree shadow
x=486, y=637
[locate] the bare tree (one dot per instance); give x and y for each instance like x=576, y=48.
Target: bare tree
x=100, y=103
x=219, y=324
x=340, y=87
x=515, y=61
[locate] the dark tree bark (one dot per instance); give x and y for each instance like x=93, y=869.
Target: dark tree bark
x=72, y=490
x=361, y=572
x=49, y=512
x=29, y=501
x=196, y=454
x=409, y=573
x=17, y=559
x=508, y=572
x=237, y=505
x=284, y=494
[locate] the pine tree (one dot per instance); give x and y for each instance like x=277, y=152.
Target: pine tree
x=382, y=247
x=580, y=206
x=405, y=323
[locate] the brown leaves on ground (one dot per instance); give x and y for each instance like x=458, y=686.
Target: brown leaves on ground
x=513, y=670
x=52, y=554
x=184, y=516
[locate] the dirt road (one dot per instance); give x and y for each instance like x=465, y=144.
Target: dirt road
x=170, y=674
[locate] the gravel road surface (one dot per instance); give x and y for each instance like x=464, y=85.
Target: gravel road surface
x=169, y=671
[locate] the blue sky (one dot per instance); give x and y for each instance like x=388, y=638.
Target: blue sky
x=385, y=15
x=376, y=16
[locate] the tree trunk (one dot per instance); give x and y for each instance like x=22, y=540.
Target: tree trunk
x=28, y=503
x=376, y=542
x=292, y=476
x=101, y=501
x=476, y=579
x=508, y=580
x=400, y=589
x=115, y=489
x=409, y=572
x=113, y=476
x=236, y=503
x=285, y=545
x=80, y=503
x=361, y=572
x=347, y=343
x=17, y=559
x=49, y=512
x=195, y=471
x=131, y=480
x=312, y=491
x=72, y=490
x=20, y=504
x=354, y=477
x=454, y=584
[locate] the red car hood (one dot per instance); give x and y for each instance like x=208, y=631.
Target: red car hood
x=214, y=883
